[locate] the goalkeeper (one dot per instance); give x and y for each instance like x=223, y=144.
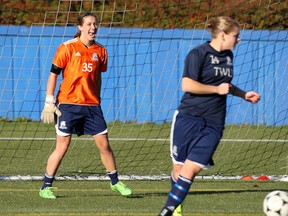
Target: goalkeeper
x=198, y=124
x=77, y=104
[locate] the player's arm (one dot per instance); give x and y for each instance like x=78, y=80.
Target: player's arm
x=99, y=85
x=51, y=83
x=52, y=79
x=47, y=115
x=99, y=82
x=195, y=87
x=250, y=96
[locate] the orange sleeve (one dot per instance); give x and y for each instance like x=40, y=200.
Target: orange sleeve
x=61, y=57
x=103, y=67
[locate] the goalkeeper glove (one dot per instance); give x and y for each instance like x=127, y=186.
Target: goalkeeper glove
x=47, y=115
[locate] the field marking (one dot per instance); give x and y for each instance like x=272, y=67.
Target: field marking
x=140, y=139
x=135, y=190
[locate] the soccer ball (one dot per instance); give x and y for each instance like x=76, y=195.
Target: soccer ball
x=276, y=203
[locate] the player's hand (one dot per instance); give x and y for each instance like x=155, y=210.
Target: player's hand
x=223, y=89
x=252, y=97
x=47, y=115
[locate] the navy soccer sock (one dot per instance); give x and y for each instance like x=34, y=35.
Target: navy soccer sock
x=178, y=192
x=113, y=175
x=48, y=180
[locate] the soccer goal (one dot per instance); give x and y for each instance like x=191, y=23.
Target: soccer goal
x=147, y=42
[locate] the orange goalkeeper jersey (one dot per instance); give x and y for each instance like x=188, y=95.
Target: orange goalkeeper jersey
x=81, y=67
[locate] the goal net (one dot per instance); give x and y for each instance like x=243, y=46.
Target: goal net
x=147, y=42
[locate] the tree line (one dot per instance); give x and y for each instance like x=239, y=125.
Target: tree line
x=187, y=14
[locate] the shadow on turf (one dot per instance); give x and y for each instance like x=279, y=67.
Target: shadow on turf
x=134, y=196
x=203, y=192
x=142, y=194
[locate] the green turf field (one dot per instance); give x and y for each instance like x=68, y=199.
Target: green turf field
x=235, y=197
x=140, y=149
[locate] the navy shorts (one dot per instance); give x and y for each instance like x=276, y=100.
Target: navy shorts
x=79, y=119
x=195, y=139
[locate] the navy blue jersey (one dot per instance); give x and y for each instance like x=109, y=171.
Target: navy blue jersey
x=208, y=66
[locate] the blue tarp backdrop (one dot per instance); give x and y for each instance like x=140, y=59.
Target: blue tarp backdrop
x=143, y=80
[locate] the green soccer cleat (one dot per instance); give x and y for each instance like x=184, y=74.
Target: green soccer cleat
x=47, y=193
x=178, y=211
x=121, y=188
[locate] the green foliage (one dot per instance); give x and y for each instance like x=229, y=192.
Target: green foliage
x=4, y=119
x=264, y=14
x=19, y=119
x=22, y=119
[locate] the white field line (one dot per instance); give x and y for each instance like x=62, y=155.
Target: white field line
x=139, y=139
x=132, y=177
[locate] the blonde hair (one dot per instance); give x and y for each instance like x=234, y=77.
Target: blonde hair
x=222, y=23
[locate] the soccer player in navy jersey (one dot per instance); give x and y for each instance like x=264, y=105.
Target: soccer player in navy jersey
x=198, y=123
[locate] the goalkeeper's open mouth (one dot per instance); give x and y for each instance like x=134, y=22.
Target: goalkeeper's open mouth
x=92, y=33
